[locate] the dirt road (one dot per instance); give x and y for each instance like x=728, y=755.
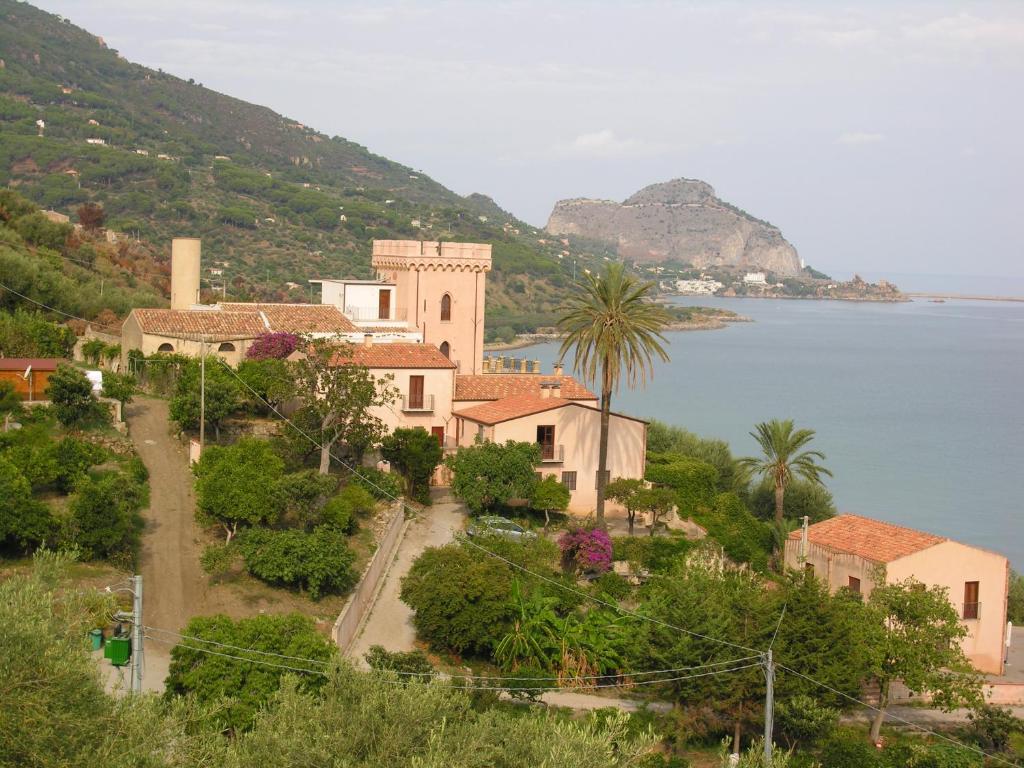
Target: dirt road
x=175, y=588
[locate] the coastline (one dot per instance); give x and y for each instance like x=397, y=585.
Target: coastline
x=962, y=296
x=902, y=298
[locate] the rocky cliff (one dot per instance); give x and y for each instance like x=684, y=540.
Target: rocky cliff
x=681, y=220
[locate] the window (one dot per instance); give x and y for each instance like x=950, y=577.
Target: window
x=546, y=440
x=480, y=432
x=415, y=391
x=227, y=346
x=569, y=480
x=854, y=584
x=445, y=349
x=446, y=308
x=438, y=432
x=809, y=569
x=384, y=304
x=165, y=348
x=597, y=478
x=971, y=603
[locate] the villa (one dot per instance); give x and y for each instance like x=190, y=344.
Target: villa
x=420, y=322
x=859, y=553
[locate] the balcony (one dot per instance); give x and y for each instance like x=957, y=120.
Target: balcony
x=424, y=404
x=971, y=611
x=374, y=315
x=552, y=454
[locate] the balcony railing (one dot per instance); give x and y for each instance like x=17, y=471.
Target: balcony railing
x=373, y=314
x=971, y=610
x=552, y=454
x=424, y=404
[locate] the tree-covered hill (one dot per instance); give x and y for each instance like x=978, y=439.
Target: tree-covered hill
x=275, y=202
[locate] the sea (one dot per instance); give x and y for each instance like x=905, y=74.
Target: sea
x=918, y=406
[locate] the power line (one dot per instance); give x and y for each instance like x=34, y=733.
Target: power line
x=477, y=688
x=58, y=311
x=921, y=728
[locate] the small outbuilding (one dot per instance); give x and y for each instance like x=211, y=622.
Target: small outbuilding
x=29, y=375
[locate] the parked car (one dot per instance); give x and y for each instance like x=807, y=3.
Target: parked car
x=494, y=525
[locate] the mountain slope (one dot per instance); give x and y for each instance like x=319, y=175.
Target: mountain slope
x=276, y=202
x=680, y=220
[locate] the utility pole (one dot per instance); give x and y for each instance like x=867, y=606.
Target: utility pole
x=202, y=395
x=137, y=634
x=769, y=705
x=803, y=540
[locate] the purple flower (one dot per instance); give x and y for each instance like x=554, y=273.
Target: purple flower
x=588, y=549
x=277, y=345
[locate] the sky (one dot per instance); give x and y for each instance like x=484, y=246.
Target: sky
x=881, y=137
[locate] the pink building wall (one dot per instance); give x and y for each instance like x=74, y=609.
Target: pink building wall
x=439, y=382
x=423, y=273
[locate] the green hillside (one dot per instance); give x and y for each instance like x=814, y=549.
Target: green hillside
x=274, y=201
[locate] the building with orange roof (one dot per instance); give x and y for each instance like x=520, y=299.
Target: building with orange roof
x=567, y=431
x=858, y=553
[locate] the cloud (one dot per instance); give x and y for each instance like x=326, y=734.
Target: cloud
x=605, y=143
x=966, y=29
x=860, y=137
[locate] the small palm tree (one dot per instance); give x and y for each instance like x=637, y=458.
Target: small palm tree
x=615, y=332
x=784, y=457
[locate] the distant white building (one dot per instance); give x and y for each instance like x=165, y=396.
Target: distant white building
x=95, y=141
x=702, y=287
x=755, y=278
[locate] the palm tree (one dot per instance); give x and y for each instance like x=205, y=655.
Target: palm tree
x=784, y=457
x=616, y=332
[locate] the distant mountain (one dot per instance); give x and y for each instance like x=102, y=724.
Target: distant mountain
x=680, y=220
x=275, y=201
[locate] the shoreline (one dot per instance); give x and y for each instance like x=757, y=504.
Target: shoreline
x=901, y=299
x=962, y=296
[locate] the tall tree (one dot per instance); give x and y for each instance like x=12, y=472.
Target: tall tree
x=222, y=394
x=783, y=457
x=615, y=332
x=415, y=453
x=918, y=635
x=338, y=394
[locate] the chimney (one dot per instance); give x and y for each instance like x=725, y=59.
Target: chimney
x=556, y=389
x=522, y=365
x=367, y=340
x=558, y=368
x=186, y=254
x=501, y=363
x=545, y=391
x=536, y=366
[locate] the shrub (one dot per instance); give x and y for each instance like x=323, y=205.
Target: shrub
x=71, y=394
x=29, y=334
x=802, y=720
x=415, y=453
x=411, y=664
x=343, y=511
x=460, y=599
x=589, y=550
x=743, y=538
x=105, y=520
x=304, y=495
x=658, y=554
x=277, y=346
x=320, y=562
x=383, y=486
x=237, y=688
x=24, y=522
x=693, y=480
x=489, y=474
x=850, y=748
x=612, y=585
x=802, y=498
x=74, y=457
x=239, y=485
x=992, y=727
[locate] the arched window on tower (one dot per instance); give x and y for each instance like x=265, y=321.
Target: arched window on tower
x=226, y=346
x=446, y=308
x=445, y=349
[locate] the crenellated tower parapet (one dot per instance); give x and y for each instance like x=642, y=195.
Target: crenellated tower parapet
x=389, y=255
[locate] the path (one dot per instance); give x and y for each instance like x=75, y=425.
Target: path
x=390, y=622
x=175, y=588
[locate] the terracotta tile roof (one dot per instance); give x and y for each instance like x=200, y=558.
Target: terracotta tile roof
x=233, y=320
x=217, y=324
x=298, y=318
x=514, y=407
x=19, y=364
x=493, y=386
x=871, y=539
x=398, y=354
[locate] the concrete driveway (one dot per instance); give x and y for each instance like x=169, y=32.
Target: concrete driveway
x=390, y=622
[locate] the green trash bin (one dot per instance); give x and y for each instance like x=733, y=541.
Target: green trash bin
x=96, y=636
x=118, y=650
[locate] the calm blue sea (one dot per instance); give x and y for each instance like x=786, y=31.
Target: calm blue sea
x=919, y=407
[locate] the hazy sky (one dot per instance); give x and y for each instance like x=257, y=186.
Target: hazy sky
x=886, y=137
